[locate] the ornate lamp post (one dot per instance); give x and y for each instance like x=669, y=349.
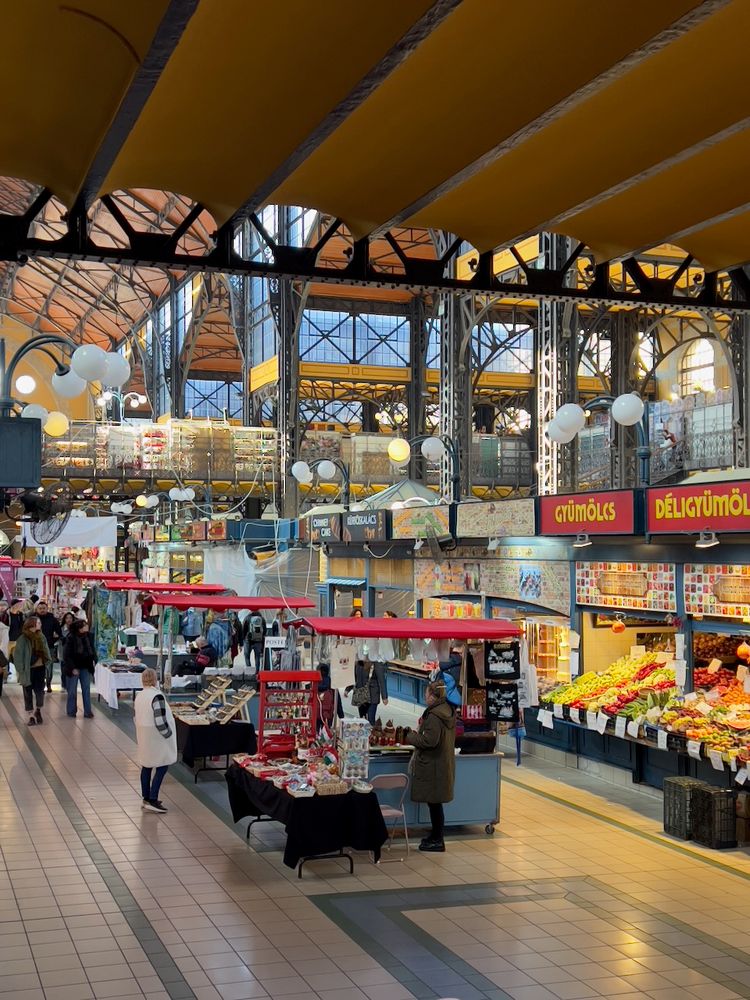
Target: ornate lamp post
x=326, y=469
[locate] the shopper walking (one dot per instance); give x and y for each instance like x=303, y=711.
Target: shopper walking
x=16, y=618
x=51, y=632
x=4, y=651
x=157, y=740
x=31, y=657
x=78, y=662
x=433, y=764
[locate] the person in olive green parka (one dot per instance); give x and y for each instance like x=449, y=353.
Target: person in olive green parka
x=31, y=658
x=433, y=765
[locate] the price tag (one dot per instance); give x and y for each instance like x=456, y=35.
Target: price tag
x=690, y=696
x=714, y=666
x=540, y=716
x=680, y=672
x=637, y=651
x=620, y=724
x=601, y=722
x=679, y=644
x=694, y=749
x=591, y=720
x=703, y=708
x=732, y=763
x=742, y=672
x=746, y=684
x=548, y=721
x=632, y=729
x=741, y=776
x=661, y=739
x=557, y=709
x=575, y=716
x=716, y=762
x=712, y=695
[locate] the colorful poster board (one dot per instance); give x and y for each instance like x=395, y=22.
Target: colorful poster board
x=546, y=584
x=497, y=519
x=324, y=528
x=717, y=589
x=422, y=522
x=365, y=526
x=635, y=586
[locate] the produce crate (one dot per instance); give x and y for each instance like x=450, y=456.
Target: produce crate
x=678, y=814
x=713, y=817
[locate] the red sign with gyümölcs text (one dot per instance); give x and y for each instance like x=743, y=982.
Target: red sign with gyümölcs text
x=607, y=513
x=707, y=507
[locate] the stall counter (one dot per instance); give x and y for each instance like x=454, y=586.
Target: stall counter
x=476, y=798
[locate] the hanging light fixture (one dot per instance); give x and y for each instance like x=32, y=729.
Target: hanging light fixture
x=399, y=451
x=582, y=540
x=707, y=540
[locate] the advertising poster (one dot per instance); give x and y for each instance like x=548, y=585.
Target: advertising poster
x=421, y=522
x=497, y=519
x=534, y=581
x=717, y=589
x=635, y=586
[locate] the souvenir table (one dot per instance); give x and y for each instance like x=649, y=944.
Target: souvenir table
x=108, y=682
x=317, y=827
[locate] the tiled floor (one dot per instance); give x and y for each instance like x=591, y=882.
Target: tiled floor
x=578, y=895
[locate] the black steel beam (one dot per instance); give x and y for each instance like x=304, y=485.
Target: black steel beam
x=418, y=275
x=163, y=44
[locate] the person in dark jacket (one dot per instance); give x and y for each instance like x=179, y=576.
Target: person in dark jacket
x=254, y=631
x=79, y=660
x=205, y=655
x=372, y=676
x=433, y=764
x=51, y=630
x=15, y=623
x=330, y=700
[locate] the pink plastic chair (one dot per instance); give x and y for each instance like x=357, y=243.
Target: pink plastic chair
x=392, y=814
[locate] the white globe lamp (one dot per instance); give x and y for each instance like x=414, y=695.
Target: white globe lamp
x=116, y=369
x=89, y=362
x=174, y=493
x=68, y=386
x=433, y=449
x=190, y=493
x=25, y=384
x=35, y=412
x=327, y=470
x=152, y=501
x=570, y=417
x=141, y=500
x=301, y=472
x=558, y=434
x=399, y=451
x=628, y=409
x=56, y=424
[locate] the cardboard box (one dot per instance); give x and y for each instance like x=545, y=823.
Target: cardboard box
x=743, y=830
x=743, y=805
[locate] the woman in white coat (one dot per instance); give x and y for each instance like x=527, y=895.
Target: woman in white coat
x=157, y=740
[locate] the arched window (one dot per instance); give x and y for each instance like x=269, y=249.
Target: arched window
x=697, y=368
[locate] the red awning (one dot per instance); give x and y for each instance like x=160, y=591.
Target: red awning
x=232, y=603
x=415, y=628
x=166, y=588
x=97, y=575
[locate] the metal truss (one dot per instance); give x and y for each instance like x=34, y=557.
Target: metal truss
x=388, y=260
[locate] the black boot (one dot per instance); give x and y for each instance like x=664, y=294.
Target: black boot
x=433, y=846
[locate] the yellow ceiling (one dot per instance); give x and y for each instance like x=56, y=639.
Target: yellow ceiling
x=624, y=125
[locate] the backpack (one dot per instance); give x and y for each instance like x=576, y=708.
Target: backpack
x=255, y=630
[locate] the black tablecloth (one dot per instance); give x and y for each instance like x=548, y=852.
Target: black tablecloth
x=214, y=740
x=322, y=824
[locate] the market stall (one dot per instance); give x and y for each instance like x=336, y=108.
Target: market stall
x=122, y=673
x=220, y=604
x=490, y=699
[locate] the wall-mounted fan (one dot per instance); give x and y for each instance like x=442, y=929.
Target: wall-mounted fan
x=48, y=511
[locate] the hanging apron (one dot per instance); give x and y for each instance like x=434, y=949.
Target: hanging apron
x=154, y=750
